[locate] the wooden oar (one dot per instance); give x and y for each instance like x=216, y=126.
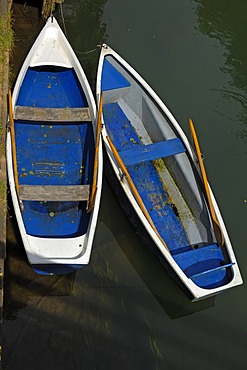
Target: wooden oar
x=12, y=134
x=134, y=190
x=217, y=229
x=96, y=157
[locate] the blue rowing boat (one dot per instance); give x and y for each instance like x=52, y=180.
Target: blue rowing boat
x=51, y=156
x=154, y=172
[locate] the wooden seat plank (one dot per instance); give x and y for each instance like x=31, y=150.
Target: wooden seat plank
x=52, y=114
x=54, y=193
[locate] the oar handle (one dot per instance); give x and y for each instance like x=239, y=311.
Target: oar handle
x=96, y=157
x=218, y=231
x=134, y=190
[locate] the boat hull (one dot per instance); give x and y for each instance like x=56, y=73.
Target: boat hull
x=157, y=157
x=53, y=140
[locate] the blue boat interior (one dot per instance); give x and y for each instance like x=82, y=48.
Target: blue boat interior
x=111, y=78
x=55, y=269
x=54, y=153
x=205, y=264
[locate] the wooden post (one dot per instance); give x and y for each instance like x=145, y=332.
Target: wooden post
x=48, y=7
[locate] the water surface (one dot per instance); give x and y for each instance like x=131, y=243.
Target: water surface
x=123, y=311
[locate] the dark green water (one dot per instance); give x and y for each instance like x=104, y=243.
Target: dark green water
x=123, y=311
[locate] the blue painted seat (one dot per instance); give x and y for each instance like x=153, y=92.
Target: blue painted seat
x=152, y=151
x=205, y=266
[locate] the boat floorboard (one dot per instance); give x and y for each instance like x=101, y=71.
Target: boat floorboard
x=51, y=153
x=44, y=157
x=146, y=180
x=198, y=261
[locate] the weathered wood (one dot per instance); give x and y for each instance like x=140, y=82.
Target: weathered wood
x=4, y=81
x=52, y=114
x=54, y=193
x=48, y=7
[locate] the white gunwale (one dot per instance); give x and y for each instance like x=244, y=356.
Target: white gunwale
x=51, y=48
x=197, y=292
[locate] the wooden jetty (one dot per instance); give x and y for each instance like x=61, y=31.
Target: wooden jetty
x=5, y=30
x=6, y=36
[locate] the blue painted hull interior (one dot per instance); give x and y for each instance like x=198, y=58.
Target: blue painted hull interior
x=203, y=262
x=51, y=87
x=146, y=179
x=55, y=269
x=54, y=154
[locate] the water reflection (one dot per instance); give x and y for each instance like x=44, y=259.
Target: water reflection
x=123, y=310
x=226, y=21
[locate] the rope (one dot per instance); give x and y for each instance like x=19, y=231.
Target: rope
x=65, y=31
x=61, y=10
x=88, y=52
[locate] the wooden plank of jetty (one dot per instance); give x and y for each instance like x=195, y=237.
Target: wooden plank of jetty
x=5, y=26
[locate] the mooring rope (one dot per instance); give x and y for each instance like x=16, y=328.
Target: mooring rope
x=88, y=52
x=65, y=31
x=62, y=16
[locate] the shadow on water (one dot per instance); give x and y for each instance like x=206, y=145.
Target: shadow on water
x=68, y=318
x=20, y=278
x=26, y=27
x=21, y=282
x=172, y=299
